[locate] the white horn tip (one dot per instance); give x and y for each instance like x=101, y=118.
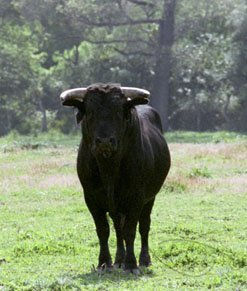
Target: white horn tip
x=62, y=96
x=132, y=91
x=76, y=93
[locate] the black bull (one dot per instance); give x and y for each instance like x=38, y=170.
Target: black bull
x=122, y=163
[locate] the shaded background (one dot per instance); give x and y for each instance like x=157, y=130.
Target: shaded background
x=191, y=55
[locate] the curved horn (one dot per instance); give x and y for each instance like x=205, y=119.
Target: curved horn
x=76, y=93
x=132, y=92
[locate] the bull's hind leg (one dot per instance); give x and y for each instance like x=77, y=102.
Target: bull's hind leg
x=144, y=227
x=120, y=253
x=103, y=232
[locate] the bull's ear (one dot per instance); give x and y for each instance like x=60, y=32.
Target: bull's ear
x=130, y=103
x=136, y=101
x=79, y=105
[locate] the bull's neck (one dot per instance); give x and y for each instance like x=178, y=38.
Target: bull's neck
x=109, y=173
x=108, y=168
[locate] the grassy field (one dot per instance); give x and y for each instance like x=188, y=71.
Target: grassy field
x=198, y=238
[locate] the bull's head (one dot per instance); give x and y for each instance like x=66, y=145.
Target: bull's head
x=105, y=110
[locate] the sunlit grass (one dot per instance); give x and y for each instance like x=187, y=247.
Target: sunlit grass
x=199, y=221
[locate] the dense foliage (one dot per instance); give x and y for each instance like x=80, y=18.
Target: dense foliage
x=191, y=55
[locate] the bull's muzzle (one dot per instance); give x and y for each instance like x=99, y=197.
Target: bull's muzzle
x=105, y=146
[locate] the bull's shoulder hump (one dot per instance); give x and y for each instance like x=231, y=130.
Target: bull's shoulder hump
x=149, y=115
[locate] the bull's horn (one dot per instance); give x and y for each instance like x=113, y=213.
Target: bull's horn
x=76, y=93
x=131, y=92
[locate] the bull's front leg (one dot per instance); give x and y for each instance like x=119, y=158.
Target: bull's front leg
x=103, y=232
x=102, y=227
x=118, y=220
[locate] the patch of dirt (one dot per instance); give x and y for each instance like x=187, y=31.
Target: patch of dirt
x=61, y=180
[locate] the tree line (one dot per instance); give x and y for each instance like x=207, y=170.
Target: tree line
x=190, y=54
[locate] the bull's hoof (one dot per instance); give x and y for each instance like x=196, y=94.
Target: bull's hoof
x=145, y=263
x=104, y=268
x=145, y=260
x=118, y=266
x=135, y=271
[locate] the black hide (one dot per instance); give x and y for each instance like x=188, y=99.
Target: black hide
x=122, y=163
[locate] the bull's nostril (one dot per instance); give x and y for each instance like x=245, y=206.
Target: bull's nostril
x=108, y=141
x=98, y=140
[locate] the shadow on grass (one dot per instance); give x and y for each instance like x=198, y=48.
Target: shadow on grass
x=90, y=280
x=115, y=275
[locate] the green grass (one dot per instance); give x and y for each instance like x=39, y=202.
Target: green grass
x=199, y=221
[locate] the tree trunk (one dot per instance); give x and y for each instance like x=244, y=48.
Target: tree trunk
x=5, y=125
x=225, y=110
x=76, y=60
x=44, y=117
x=161, y=90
